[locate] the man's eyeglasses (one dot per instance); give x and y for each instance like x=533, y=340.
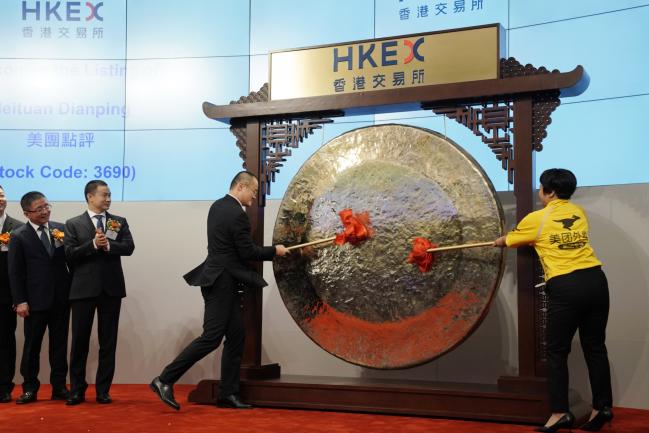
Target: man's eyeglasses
x=46, y=208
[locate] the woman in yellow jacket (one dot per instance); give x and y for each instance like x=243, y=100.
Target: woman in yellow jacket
x=577, y=293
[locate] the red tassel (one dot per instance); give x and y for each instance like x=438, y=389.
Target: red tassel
x=419, y=254
x=356, y=227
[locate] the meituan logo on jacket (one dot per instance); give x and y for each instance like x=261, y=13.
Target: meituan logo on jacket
x=567, y=222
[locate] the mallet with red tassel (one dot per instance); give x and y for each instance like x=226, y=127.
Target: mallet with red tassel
x=423, y=250
x=356, y=229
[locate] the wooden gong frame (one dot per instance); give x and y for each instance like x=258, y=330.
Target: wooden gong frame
x=510, y=114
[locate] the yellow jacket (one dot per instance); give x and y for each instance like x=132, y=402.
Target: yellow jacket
x=559, y=234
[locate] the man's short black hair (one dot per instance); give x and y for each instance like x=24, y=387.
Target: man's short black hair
x=560, y=181
x=29, y=198
x=242, y=177
x=92, y=186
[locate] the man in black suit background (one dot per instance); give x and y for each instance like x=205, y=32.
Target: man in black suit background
x=40, y=288
x=95, y=241
x=7, y=313
x=221, y=277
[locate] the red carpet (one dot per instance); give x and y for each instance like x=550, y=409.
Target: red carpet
x=137, y=409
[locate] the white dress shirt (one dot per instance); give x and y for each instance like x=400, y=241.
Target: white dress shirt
x=94, y=220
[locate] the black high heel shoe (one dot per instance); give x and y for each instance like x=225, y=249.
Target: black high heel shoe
x=566, y=421
x=603, y=416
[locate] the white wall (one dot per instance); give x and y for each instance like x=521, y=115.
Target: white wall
x=162, y=314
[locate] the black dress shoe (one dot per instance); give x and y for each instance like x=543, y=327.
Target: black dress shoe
x=165, y=392
x=104, y=399
x=60, y=394
x=233, y=402
x=27, y=397
x=603, y=416
x=566, y=421
x=5, y=397
x=75, y=398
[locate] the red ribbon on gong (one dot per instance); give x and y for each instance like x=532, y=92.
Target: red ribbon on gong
x=419, y=254
x=356, y=227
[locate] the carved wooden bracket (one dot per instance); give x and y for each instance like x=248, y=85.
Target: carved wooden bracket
x=239, y=131
x=490, y=122
x=277, y=139
x=543, y=103
x=493, y=121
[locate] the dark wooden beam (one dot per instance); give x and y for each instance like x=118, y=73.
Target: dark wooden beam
x=253, y=298
x=413, y=98
x=524, y=193
x=402, y=397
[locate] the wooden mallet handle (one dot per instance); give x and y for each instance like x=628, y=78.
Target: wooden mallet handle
x=319, y=241
x=460, y=247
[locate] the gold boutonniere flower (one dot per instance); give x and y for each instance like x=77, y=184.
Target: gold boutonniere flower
x=4, y=238
x=113, y=225
x=57, y=234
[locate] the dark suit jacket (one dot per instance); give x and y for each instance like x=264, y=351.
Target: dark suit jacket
x=34, y=276
x=96, y=270
x=9, y=225
x=229, y=247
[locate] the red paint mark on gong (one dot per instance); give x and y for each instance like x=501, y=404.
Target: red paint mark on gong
x=396, y=344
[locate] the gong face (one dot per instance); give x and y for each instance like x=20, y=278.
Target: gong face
x=365, y=303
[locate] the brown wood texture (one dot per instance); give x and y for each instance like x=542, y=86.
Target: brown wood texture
x=529, y=377
x=569, y=83
x=524, y=193
x=449, y=400
x=253, y=298
x=519, y=398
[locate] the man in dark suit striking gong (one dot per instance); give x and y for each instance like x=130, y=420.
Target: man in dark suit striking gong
x=222, y=277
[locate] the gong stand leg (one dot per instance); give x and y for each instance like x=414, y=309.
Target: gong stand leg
x=206, y=391
x=251, y=367
x=528, y=379
x=524, y=192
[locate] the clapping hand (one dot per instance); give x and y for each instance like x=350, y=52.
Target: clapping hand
x=100, y=240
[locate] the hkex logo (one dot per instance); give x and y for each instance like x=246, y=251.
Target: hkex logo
x=50, y=10
x=388, y=54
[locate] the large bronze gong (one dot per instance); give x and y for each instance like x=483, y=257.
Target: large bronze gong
x=365, y=304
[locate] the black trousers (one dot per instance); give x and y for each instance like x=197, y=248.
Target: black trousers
x=56, y=320
x=83, y=314
x=578, y=301
x=7, y=348
x=223, y=317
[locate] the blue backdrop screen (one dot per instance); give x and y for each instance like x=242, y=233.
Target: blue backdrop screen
x=113, y=89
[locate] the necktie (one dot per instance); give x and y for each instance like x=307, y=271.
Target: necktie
x=46, y=240
x=100, y=224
